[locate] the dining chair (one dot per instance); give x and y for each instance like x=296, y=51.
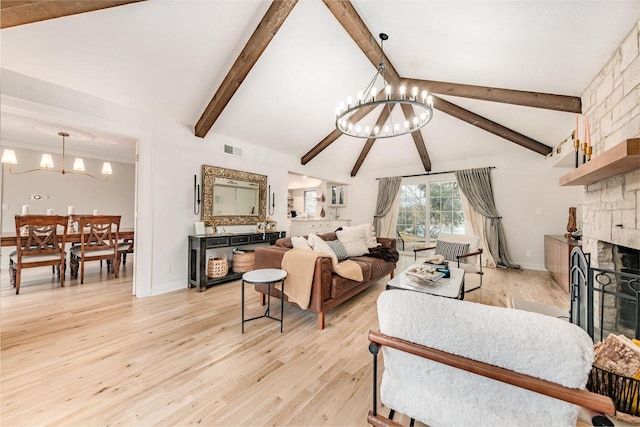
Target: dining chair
x=42, y=245
x=98, y=241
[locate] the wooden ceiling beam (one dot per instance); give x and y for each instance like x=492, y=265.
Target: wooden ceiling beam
x=384, y=115
x=20, y=12
x=258, y=42
x=547, y=101
x=490, y=126
x=417, y=139
x=335, y=134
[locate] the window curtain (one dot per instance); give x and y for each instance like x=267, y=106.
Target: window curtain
x=475, y=221
x=384, y=221
x=475, y=184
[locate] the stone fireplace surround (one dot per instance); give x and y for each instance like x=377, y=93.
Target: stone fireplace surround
x=611, y=103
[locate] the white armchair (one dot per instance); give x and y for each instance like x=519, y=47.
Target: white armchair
x=461, y=249
x=446, y=363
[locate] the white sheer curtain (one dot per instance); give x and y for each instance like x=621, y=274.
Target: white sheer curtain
x=388, y=222
x=474, y=221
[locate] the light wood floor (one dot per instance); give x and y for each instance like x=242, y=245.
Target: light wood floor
x=93, y=354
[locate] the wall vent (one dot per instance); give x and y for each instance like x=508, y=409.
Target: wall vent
x=232, y=151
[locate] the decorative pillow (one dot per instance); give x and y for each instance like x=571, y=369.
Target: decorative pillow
x=338, y=249
x=370, y=236
x=353, y=240
x=450, y=250
x=300, y=243
x=322, y=247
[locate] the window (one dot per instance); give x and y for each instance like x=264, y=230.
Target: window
x=445, y=209
x=433, y=206
x=310, y=199
x=412, y=214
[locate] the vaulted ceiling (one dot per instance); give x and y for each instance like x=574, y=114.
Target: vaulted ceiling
x=271, y=74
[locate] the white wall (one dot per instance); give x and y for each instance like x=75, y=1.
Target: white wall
x=169, y=156
x=523, y=181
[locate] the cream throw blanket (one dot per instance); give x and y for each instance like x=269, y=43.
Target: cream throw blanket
x=300, y=265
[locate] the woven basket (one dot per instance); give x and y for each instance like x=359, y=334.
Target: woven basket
x=217, y=267
x=243, y=261
x=624, y=391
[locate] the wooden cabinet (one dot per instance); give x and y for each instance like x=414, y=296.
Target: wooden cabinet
x=304, y=227
x=557, y=252
x=199, y=244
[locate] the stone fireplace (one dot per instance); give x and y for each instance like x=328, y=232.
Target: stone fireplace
x=609, y=215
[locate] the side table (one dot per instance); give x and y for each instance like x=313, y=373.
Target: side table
x=269, y=277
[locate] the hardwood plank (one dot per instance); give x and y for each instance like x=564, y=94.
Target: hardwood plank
x=22, y=12
x=258, y=42
x=94, y=354
x=548, y=101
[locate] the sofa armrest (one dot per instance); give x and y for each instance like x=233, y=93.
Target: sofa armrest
x=269, y=256
x=387, y=242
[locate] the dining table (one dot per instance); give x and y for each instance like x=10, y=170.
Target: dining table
x=8, y=238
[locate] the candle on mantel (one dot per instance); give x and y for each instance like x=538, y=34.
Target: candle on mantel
x=576, y=135
x=587, y=138
x=26, y=209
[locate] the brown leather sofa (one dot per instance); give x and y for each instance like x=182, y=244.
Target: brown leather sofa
x=328, y=289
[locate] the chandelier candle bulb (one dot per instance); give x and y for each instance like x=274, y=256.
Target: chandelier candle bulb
x=415, y=122
x=359, y=97
x=396, y=128
x=414, y=92
x=349, y=101
x=388, y=91
x=376, y=130
x=430, y=101
x=358, y=130
x=373, y=94
x=367, y=130
x=402, y=91
x=424, y=95
x=406, y=125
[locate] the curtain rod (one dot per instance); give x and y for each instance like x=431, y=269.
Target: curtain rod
x=433, y=173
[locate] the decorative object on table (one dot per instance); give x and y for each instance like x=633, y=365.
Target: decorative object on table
x=196, y=196
x=243, y=260
x=46, y=163
x=199, y=228
x=217, y=267
x=261, y=227
x=571, y=225
x=371, y=98
x=96, y=212
x=51, y=211
x=271, y=225
x=435, y=259
x=71, y=225
x=425, y=273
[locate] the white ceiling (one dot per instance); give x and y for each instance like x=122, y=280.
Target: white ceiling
x=169, y=57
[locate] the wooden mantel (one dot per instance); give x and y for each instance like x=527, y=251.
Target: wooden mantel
x=620, y=159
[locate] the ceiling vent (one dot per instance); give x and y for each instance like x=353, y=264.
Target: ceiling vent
x=232, y=151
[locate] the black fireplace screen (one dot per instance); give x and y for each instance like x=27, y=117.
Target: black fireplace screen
x=603, y=301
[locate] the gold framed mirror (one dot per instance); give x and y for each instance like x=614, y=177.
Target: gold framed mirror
x=232, y=197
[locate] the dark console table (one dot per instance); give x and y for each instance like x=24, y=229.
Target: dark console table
x=199, y=244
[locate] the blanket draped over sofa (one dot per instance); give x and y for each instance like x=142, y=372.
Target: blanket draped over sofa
x=300, y=264
x=328, y=287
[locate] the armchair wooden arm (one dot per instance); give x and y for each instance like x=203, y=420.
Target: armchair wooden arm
x=415, y=251
x=591, y=401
